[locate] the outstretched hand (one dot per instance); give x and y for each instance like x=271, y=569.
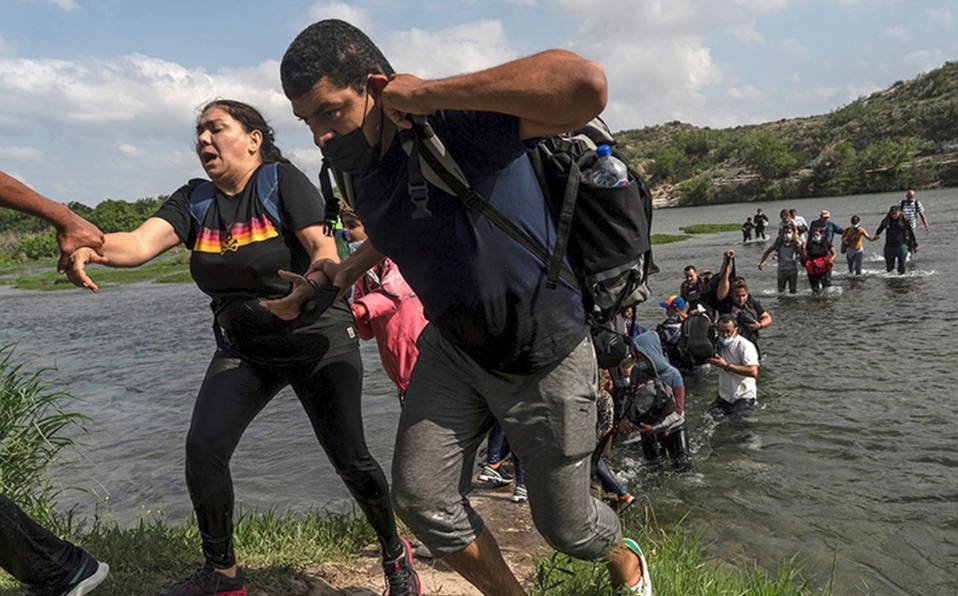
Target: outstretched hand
x=75, y=267
x=79, y=233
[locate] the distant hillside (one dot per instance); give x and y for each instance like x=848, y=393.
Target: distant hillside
x=905, y=136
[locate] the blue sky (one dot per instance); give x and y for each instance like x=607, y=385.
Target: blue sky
x=98, y=97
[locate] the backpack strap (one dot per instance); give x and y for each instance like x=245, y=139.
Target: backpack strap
x=430, y=161
x=267, y=191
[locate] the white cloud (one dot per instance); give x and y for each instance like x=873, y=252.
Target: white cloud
x=14, y=153
x=793, y=78
x=447, y=52
x=64, y=4
x=941, y=18
x=899, y=33
x=748, y=93
x=335, y=9
x=127, y=149
x=524, y=2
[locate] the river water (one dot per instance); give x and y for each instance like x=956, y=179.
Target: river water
x=850, y=457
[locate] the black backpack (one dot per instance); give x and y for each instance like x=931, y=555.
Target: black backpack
x=604, y=232
x=698, y=339
x=649, y=403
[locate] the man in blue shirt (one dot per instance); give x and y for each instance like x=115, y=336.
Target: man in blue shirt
x=500, y=345
x=827, y=226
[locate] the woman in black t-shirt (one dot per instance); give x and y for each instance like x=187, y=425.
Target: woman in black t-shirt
x=255, y=227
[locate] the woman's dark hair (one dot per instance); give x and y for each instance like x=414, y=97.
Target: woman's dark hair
x=332, y=49
x=250, y=119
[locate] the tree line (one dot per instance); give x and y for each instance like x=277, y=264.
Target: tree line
x=31, y=238
x=901, y=137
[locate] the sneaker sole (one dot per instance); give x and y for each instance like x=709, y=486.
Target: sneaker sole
x=644, y=587
x=408, y=548
x=497, y=480
x=87, y=585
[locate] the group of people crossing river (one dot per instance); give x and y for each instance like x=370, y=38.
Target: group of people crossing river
x=498, y=349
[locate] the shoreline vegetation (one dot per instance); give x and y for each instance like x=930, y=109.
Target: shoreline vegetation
x=40, y=274
x=898, y=138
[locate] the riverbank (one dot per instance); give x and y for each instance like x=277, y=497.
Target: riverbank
x=335, y=554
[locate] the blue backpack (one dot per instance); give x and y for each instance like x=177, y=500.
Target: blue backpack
x=267, y=190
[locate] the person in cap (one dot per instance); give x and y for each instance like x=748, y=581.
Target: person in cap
x=852, y=245
x=897, y=240
x=827, y=226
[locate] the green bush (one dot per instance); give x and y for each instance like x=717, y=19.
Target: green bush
x=39, y=247
x=34, y=428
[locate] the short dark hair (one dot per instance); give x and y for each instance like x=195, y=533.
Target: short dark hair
x=690, y=268
x=738, y=283
x=726, y=318
x=250, y=119
x=332, y=49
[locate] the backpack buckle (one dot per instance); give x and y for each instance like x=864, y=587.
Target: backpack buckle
x=419, y=195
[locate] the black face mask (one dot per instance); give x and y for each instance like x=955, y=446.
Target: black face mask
x=351, y=153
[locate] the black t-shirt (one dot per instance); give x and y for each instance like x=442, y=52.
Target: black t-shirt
x=237, y=254
x=813, y=250
x=751, y=311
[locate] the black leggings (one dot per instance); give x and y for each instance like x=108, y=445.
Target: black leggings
x=30, y=552
x=234, y=391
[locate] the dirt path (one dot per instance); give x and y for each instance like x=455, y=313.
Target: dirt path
x=509, y=522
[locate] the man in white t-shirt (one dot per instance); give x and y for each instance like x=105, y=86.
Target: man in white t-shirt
x=737, y=361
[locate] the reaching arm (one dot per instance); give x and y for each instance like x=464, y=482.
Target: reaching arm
x=124, y=249
x=72, y=230
x=550, y=92
x=721, y=292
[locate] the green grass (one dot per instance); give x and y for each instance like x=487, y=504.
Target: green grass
x=279, y=551
x=666, y=238
x=711, y=228
x=34, y=428
x=678, y=565
x=274, y=549
x=176, y=269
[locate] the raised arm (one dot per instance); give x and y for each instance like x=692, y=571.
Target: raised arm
x=124, y=249
x=72, y=230
x=550, y=92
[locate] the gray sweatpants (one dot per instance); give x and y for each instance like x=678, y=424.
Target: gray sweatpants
x=549, y=419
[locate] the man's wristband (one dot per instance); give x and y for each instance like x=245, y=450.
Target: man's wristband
x=727, y=365
x=312, y=284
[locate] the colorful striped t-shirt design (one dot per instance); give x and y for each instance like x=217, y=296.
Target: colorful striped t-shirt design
x=239, y=234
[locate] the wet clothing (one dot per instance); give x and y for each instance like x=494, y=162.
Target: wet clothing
x=237, y=250
x=747, y=228
x=761, y=221
x=897, y=241
x=734, y=387
x=818, y=250
x=667, y=435
x=788, y=257
x=31, y=553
